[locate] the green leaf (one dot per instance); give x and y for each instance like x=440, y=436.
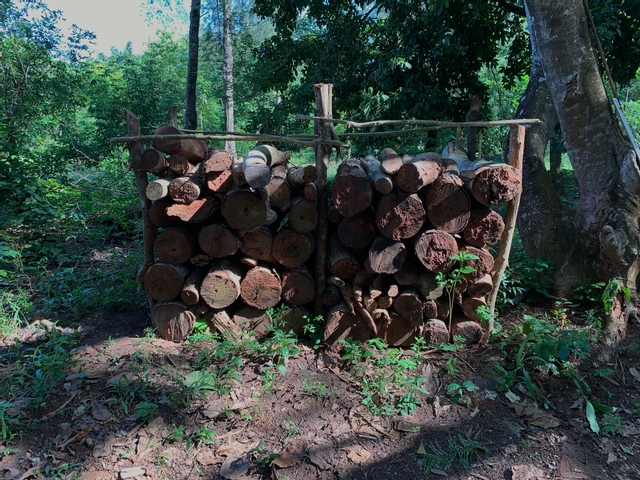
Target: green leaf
x=200, y=380
x=591, y=416
x=452, y=387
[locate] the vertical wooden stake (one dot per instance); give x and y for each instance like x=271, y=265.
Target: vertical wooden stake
x=516, y=152
x=149, y=231
x=324, y=108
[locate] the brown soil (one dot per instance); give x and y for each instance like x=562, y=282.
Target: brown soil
x=329, y=434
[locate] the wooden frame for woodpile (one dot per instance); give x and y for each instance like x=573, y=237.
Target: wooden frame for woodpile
x=241, y=235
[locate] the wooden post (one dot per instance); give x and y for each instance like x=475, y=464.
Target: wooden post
x=149, y=231
x=322, y=130
x=516, y=153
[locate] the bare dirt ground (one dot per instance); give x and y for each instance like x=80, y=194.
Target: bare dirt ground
x=99, y=425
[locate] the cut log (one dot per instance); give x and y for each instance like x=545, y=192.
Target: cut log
x=279, y=194
x=341, y=323
x=180, y=165
x=257, y=243
x=218, y=161
x=152, y=161
x=386, y=255
x=249, y=262
x=219, y=182
x=448, y=204
x=218, y=241
x=357, y=232
x=298, y=286
x=261, y=288
x=482, y=266
x=244, y=210
x=190, y=294
x=303, y=215
x=397, y=332
x=237, y=173
x=342, y=263
x=410, y=307
x=384, y=301
x=330, y=296
x=363, y=278
x=186, y=190
x=428, y=286
x=300, y=176
x=469, y=330
x=194, y=149
x=292, y=249
x=479, y=287
x=172, y=320
x=429, y=309
x=158, y=214
x=310, y=191
x=200, y=309
x=390, y=161
x=435, y=332
x=164, y=281
x=175, y=245
x=434, y=249
x=418, y=172
x=195, y=212
x=408, y=274
x=484, y=229
x=334, y=215
x=221, y=285
x=380, y=316
x=295, y=318
x=400, y=215
x=200, y=260
x=258, y=162
x=380, y=180
x=253, y=320
x=470, y=306
x=158, y=189
x=220, y=322
x=351, y=192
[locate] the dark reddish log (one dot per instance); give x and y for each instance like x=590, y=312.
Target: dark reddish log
x=219, y=182
x=175, y=245
x=429, y=309
x=197, y=211
x=448, y=204
x=310, y=191
x=172, y=320
x=190, y=294
x=279, y=194
x=382, y=282
x=357, y=232
x=341, y=323
x=400, y=215
x=428, y=286
x=386, y=256
x=158, y=213
x=159, y=188
x=363, y=278
x=435, y=332
x=385, y=301
x=237, y=173
x=369, y=303
x=295, y=318
x=479, y=287
x=221, y=285
x=249, y=262
x=219, y=161
x=261, y=288
x=298, y=286
x=420, y=171
x=484, y=229
x=334, y=215
x=192, y=148
x=434, y=248
x=179, y=164
x=186, y=190
x=351, y=192
x=257, y=243
x=258, y=162
x=381, y=315
x=164, y=281
x=244, y=210
x=153, y=161
x=409, y=306
x=408, y=274
x=331, y=296
x=292, y=249
x=482, y=266
x=342, y=263
x=470, y=307
x=218, y=241
x=397, y=332
x=381, y=181
x=443, y=311
x=353, y=299
x=200, y=260
x=200, y=309
x=220, y=322
x=303, y=215
x=468, y=329
x=300, y=176
x=390, y=161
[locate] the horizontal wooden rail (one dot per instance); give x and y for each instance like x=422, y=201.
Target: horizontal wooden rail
x=435, y=123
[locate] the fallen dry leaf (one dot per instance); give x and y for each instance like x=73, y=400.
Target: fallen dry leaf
x=407, y=426
x=206, y=457
x=102, y=475
x=214, y=408
x=535, y=416
x=320, y=455
x=99, y=411
x=292, y=454
x=526, y=472
x=78, y=437
x=358, y=454
x=363, y=423
x=103, y=449
x=236, y=448
x=635, y=374
x=132, y=472
x=235, y=467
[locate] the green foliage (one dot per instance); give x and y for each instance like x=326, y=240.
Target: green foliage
x=459, y=447
x=449, y=281
x=525, y=280
x=15, y=310
x=7, y=422
x=128, y=392
x=610, y=293
x=201, y=436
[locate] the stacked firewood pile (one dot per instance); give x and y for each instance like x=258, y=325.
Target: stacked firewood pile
x=397, y=222
x=235, y=237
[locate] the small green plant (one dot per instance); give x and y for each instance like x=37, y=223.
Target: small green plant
x=127, y=391
x=452, y=366
x=450, y=281
x=200, y=436
x=145, y=410
x=263, y=457
x=457, y=391
x=7, y=422
x=458, y=448
x=177, y=434
x=610, y=293
x=314, y=328
x=317, y=389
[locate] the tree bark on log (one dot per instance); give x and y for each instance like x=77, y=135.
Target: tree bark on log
x=190, y=294
x=390, y=161
x=479, y=287
x=152, y=161
x=448, y=204
x=164, y=281
x=258, y=162
x=292, y=249
x=484, y=229
x=300, y=176
x=397, y=332
x=470, y=306
x=218, y=241
x=254, y=320
x=195, y=212
x=298, y=286
x=342, y=263
x=468, y=329
x=172, y=320
x=221, y=285
x=158, y=213
x=175, y=245
x=435, y=332
x=341, y=323
x=400, y=215
x=237, y=173
x=410, y=307
x=257, y=243
x=434, y=249
x=380, y=180
x=303, y=215
x=218, y=161
x=351, y=192
x=194, y=149
x=158, y=189
x=261, y=288
x=244, y=210
x=428, y=286
x=220, y=322
x=220, y=182
x=310, y=191
x=419, y=172
x=357, y=232
x=330, y=296
x=386, y=255
x=180, y=165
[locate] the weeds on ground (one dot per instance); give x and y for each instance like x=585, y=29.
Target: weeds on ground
x=459, y=447
x=451, y=280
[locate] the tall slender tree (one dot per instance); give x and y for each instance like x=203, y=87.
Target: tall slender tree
x=191, y=117
x=227, y=73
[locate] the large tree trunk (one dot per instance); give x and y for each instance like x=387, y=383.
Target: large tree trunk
x=600, y=237
x=190, y=117
x=227, y=75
